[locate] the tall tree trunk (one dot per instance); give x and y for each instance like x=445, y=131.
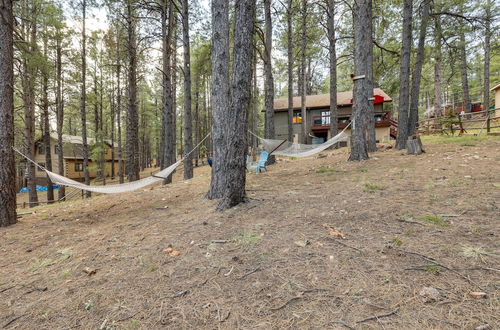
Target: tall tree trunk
x=289, y=26
x=463, y=68
x=417, y=74
x=302, y=76
x=438, y=92
x=168, y=129
x=255, y=116
x=361, y=93
x=332, y=52
x=188, y=122
x=46, y=119
x=132, y=164
x=83, y=99
x=236, y=119
x=119, y=108
x=371, y=137
x=404, y=76
x=220, y=95
x=487, y=54
x=7, y=162
x=61, y=193
x=268, y=73
x=29, y=78
x=174, y=88
x=112, y=108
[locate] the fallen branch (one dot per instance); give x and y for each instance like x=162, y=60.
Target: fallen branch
x=344, y=324
x=443, y=266
x=409, y=221
x=376, y=317
x=286, y=304
x=12, y=321
x=249, y=273
x=344, y=244
x=10, y=287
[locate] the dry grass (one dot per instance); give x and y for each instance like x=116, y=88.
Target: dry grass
x=270, y=263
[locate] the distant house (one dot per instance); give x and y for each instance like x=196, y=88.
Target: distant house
x=318, y=116
x=496, y=89
x=73, y=158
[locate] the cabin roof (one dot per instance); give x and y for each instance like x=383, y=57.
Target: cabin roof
x=75, y=139
x=323, y=100
x=497, y=86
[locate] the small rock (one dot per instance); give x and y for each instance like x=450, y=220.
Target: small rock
x=483, y=327
x=175, y=253
x=430, y=294
x=89, y=271
x=477, y=294
x=168, y=250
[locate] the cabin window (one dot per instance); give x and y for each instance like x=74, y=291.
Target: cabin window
x=325, y=117
x=57, y=149
x=41, y=149
x=297, y=117
x=78, y=167
x=38, y=168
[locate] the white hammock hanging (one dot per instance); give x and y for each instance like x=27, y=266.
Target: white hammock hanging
x=289, y=149
x=113, y=188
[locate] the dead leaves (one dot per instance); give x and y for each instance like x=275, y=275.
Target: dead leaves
x=172, y=252
x=333, y=232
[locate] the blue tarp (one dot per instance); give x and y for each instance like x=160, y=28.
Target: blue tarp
x=38, y=188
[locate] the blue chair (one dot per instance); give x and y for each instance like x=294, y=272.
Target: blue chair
x=261, y=163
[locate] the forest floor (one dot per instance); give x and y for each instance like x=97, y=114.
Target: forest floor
x=395, y=242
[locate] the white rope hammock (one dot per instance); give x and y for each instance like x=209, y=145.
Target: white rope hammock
x=113, y=188
x=289, y=149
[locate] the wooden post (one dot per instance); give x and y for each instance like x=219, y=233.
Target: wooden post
x=488, y=127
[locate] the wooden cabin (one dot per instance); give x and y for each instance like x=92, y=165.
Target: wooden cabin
x=318, y=116
x=73, y=158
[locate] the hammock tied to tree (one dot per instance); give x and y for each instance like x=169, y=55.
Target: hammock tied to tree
x=289, y=149
x=113, y=188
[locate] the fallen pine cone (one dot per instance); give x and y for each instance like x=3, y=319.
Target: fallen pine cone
x=175, y=253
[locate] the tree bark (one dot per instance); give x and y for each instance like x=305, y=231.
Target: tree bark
x=361, y=94
x=234, y=168
x=463, y=69
x=28, y=82
x=83, y=100
x=302, y=76
x=7, y=162
x=119, y=108
x=168, y=129
x=46, y=119
x=332, y=51
x=132, y=164
x=487, y=55
x=289, y=15
x=417, y=74
x=371, y=138
x=268, y=73
x=404, y=76
x=61, y=193
x=188, y=122
x=220, y=94
x=438, y=91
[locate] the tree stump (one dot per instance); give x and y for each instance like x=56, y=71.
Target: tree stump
x=414, y=145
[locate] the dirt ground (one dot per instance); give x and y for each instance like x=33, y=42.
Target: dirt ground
x=421, y=233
